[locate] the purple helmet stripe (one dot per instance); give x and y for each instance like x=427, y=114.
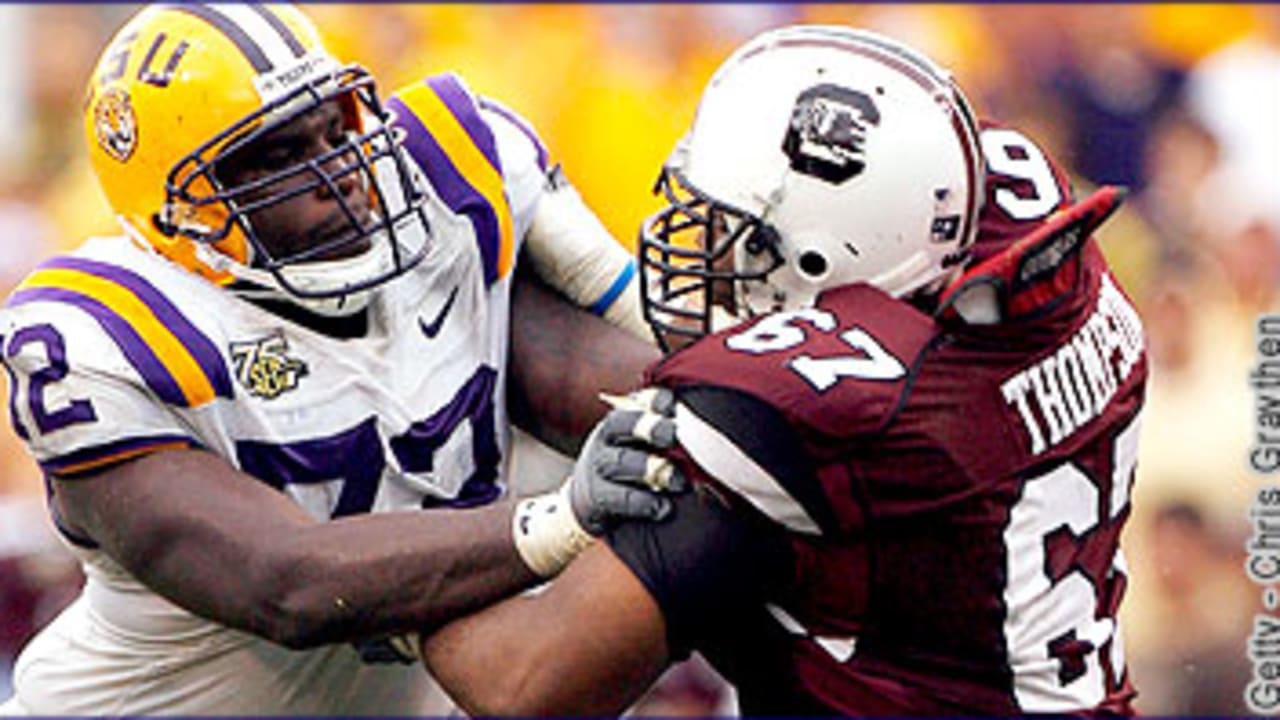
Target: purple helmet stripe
x=449, y=184
x=278, y=25
x=250, y=48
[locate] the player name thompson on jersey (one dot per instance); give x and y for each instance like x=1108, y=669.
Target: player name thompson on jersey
x=1074, y=384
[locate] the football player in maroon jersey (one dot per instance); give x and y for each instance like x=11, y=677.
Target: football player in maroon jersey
x=907, y=390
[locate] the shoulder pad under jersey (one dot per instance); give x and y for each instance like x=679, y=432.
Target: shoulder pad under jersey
x=837, y=370
x=1036, y=273
x=103, y=362
x=1024, y=186
x=450, y=140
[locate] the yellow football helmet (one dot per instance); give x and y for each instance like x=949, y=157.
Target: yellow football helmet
x=182, y=87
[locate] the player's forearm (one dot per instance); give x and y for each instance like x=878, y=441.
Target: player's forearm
x=571, y=250
x=233, y=550
x=371, y=575
x=562, y=357
x=590, y=644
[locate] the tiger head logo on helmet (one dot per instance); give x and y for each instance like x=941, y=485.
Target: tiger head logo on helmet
x=183, y=88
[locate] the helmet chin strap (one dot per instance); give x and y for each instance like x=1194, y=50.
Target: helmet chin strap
x=339, y=306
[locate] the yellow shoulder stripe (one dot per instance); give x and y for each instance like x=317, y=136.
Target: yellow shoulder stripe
x=159, y=340
x=470, y=162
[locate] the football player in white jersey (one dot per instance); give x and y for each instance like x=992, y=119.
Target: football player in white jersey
x=271, y=412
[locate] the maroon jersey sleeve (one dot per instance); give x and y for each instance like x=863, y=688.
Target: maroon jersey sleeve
x=1024, y=186
x=838, y=368
x=834, y=374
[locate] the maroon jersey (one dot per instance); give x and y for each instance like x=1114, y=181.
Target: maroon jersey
x=953, y=493
x=1024, y=186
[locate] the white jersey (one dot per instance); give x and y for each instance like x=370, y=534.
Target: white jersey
x=114, y=351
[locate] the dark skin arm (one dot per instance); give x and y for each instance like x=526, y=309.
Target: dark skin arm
x=591, y=644
x=560, y=363
x=597, y=636
x=595, y=640
x=232, y=549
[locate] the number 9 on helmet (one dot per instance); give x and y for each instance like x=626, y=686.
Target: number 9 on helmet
x=182, y=87
x=819, y=156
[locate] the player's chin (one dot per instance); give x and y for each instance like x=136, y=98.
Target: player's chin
x=678, y=341
x=336, y=247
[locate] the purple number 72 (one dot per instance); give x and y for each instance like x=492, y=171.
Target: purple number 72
x=355, y=455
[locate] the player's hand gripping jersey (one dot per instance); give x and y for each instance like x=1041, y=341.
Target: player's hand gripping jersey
x=926, y=508
x=115, y=351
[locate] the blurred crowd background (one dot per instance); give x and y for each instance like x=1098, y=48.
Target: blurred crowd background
x=1181, y=103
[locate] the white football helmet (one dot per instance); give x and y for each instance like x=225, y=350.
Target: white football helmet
x=819, y=156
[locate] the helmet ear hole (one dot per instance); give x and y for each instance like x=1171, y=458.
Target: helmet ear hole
x=812, y=263
x=162, y=225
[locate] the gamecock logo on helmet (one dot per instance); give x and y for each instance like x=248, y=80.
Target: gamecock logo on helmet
x=827, y=132
x=115, y=124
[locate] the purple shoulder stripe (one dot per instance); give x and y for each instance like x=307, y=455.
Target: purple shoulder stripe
x=202, y=349
x=463, y=106
x=522, y=125
x=139, y=354
x=449, y=184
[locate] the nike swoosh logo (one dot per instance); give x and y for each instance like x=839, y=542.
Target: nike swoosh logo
x=431, y=329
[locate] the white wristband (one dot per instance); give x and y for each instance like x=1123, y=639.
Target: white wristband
x=546, y=533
